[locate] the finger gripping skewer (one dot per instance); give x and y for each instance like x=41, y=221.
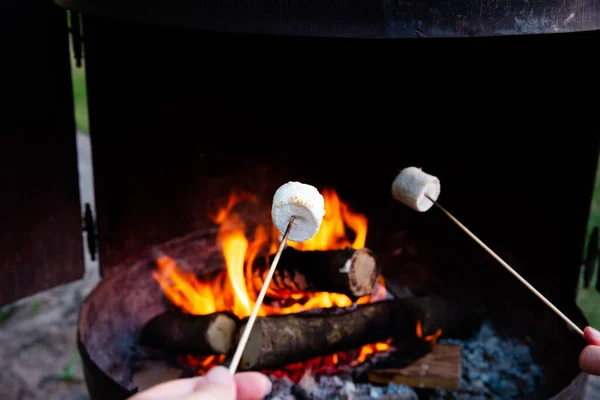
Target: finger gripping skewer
x=419, y=191
x=297, y=212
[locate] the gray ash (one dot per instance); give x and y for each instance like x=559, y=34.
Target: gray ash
x=336, y=388
x=492, y=368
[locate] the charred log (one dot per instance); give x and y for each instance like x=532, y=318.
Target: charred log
x=443, y=372
x=181, y=333
x=449, y=316
x=456, y=316
x=278, y=340
x=350, y=271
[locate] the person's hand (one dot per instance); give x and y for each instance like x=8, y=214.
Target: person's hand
x=217, y=384
x=589, y=359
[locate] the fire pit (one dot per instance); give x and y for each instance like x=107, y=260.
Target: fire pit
x=169, y=105
x=332, y=325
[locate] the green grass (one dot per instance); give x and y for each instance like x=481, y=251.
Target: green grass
x=79, y=91
x=594, y=219
x=80, y=98
x=589, y=299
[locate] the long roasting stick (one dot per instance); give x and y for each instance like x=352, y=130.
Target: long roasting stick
x=261, y=295
x=508, y=267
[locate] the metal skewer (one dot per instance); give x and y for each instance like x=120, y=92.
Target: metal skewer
x=508, y=267
x=261, y=295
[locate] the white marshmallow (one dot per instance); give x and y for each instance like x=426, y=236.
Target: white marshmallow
x=302, y=201
x=412, y=184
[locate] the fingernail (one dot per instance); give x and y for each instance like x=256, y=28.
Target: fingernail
x=220, y=375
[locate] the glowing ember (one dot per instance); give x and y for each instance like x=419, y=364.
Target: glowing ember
x=201, y=364
x=370, y=349
x=236, y=287
x=429, y=338
x=319, y=365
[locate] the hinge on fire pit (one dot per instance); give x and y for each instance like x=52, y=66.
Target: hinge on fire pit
x=89, y=227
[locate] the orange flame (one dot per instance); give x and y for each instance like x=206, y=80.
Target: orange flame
x=332, y=234
x=183, y=289
x=235, y=288
x=429, y=338
x=365, y=351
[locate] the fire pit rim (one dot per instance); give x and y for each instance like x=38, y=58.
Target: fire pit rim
x=355, y=19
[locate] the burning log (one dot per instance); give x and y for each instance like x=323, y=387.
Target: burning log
x=181, y=333
x=279, y=340
x=351, y=272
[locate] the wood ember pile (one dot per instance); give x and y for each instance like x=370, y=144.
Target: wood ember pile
x=492, y=368
x=283, y=338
